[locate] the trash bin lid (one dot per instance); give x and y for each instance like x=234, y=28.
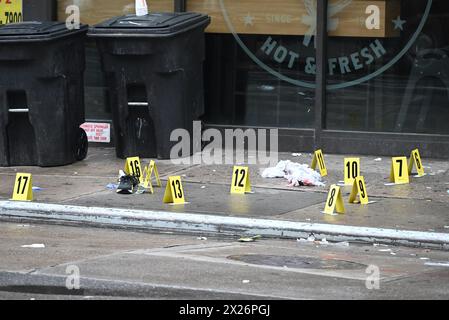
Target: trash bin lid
x=151, y=25
x=36, y=31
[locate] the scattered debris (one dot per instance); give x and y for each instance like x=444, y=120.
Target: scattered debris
x=296, y=154
x=297, y=174
x=311, y=238
x=385, y=250
x=75, y=173
x=37, y=189
x=203, y=187
x=246, y=281
x=201, y=238
x=378, y=159
x=112, y=186
x=379, y=245
x=422, y=258
x=446, y=227
x=437, y=264
x=249, y=239
x=23, y=225
x=324, y=241
x=35, y=246
x=392, y=253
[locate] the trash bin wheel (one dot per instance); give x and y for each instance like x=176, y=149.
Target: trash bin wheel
x=81, y=145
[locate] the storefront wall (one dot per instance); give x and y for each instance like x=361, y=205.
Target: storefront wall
x=377, y=82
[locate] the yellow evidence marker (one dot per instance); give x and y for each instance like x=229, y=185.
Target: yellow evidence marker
x=241, y=183
x=318, y=159
x=174, y=193
x=359, y=188
x=148, y=175
x=399, y=170
x=415, y=158
x=334, y=201
x=352, y=170
x=23, y=187
x=133, y=167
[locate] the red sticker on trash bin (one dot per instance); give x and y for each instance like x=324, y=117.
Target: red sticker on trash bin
x=97, y=132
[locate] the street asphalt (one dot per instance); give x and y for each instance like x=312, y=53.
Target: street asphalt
x=119, y=264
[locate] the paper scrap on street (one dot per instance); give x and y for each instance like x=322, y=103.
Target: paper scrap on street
x=437, y=264
x=34, y=246
x=249, y=239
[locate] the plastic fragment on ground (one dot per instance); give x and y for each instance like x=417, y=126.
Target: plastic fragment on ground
x=249, y=239
x=34, y=246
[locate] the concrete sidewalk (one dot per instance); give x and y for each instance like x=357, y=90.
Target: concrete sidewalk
x=421, y=207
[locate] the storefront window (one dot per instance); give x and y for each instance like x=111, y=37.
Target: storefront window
x=240, y=92
x=393, y=76
x=387, y=70
x=260, y=62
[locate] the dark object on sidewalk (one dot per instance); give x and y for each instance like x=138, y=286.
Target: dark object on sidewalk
x=128, y=184
x=41, y=94
x=154, y=70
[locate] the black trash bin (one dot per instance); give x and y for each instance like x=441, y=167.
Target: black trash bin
x=154, y=70
x=41, y=94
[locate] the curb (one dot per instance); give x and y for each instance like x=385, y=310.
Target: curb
x=210, y=224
